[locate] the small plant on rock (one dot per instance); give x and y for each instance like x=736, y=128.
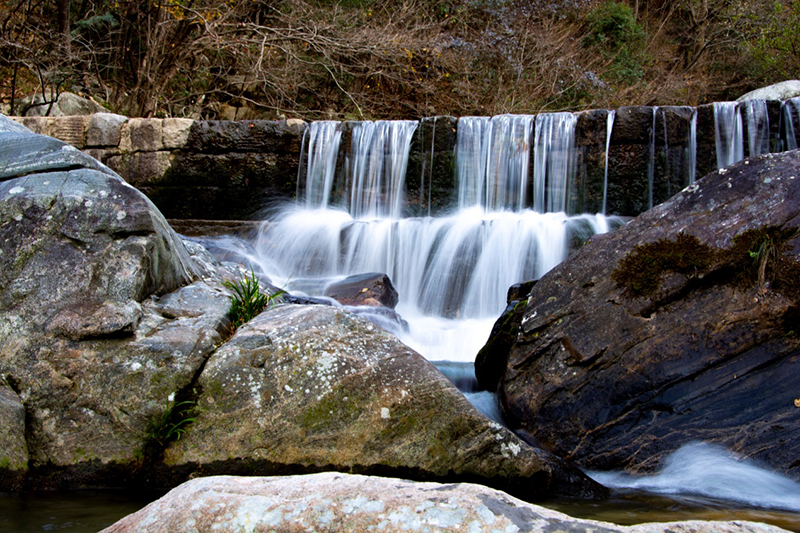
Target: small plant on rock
x=171, y=424
x=248, y=300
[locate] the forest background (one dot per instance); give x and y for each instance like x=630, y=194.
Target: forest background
x=380, y=59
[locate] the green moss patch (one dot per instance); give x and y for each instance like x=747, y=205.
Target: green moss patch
x=756, y=257
x=642, y=270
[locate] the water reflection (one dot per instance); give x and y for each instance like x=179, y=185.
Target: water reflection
x=80, y=511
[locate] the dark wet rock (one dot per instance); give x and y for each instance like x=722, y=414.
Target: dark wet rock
x=664, y=332
x=372, y=289
x=519, y=291
x=308, y=388
x=490, y=362
x=333, y=502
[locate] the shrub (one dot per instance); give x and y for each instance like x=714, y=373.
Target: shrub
x=247, y=300
x=621, y=40
x=171, y=424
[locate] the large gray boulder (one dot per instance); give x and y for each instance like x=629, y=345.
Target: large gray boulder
x=306, y=388
x=681, y=326
x=332, y=502
x=101, y=321
x=778, y=91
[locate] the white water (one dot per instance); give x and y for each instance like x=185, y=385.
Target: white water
x=709, y=470
x=493, y=161
x=452, y=272
x=554, y=161
x=692, y=155
x=786, y=108
x=321, y=145
x=729, y=131
x=609, y=128
x=757, y=127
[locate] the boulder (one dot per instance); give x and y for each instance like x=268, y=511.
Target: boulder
x=74, y=233
x=13, y=450
x=490, y=363
x=372, y=289
x=332, y=502
x=67, y=104
x=778, y=91
x=681, y=326
x=101, y=321
x=305, y=388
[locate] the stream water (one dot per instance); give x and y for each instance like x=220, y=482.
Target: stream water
x=452, y=272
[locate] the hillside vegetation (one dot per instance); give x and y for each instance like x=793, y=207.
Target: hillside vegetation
x=392, y=59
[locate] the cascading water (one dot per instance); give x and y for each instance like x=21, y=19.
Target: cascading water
x=787, y=107
x=729, y=131
x=321, y=146
x=452, y=272
x=692, y=148
x=609, y=128
x=554, y=161
x=757, y=127
x=377, y=168
x=651, y=163
x=493, y=157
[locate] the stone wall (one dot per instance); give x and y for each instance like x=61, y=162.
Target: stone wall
x=229, y=170
x=221, y=170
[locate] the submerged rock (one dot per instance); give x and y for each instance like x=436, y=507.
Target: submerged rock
x=332, y=502
x=372, y=289
x=308, y=388
x=681, y=326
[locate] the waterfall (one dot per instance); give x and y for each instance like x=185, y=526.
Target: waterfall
x=651, y=163
x=317, y=170
x=788, y=118
x=609, y=127
x=728, y=130
x=471, y=158
x=554, y=161
x=493, y=161
x=452, y=271
x=692, y=156
x=757, y=127
x=377, y=168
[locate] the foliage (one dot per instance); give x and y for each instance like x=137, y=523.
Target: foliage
x=760, y=256
x=613, y=29
x=247, y=300
x=171, y=424
x=776, y=51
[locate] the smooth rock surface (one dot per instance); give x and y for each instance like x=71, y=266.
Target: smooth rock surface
x=66, y=105
x=332, y=502
x=304, y=388
x=779, y=91
x=612, y=379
